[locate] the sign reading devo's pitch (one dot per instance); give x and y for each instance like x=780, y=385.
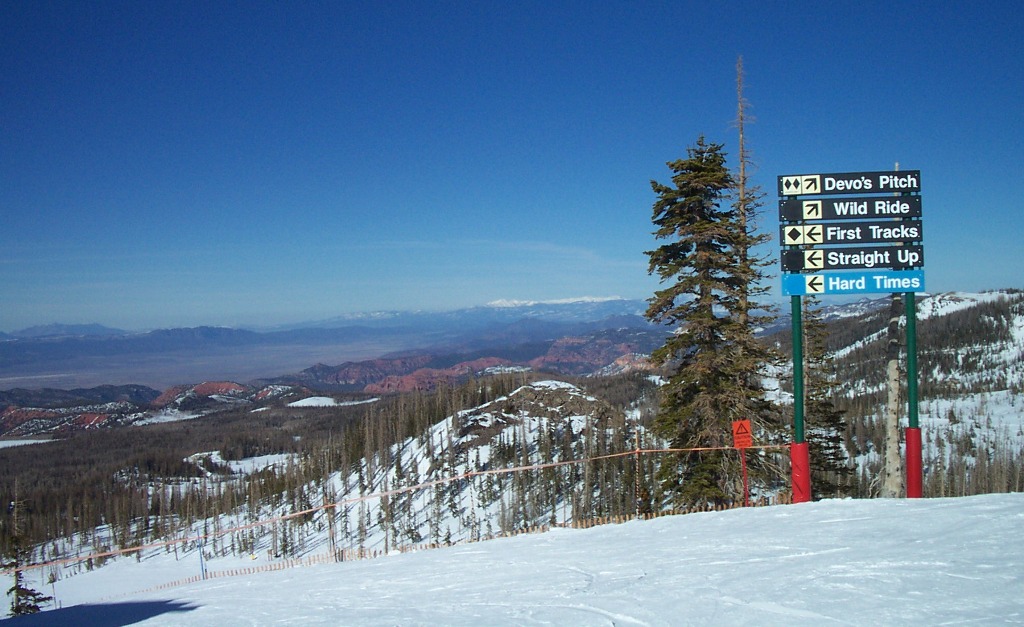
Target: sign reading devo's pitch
x=850, y=183
x=823, y=237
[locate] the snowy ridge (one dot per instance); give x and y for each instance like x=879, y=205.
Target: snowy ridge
x=474, y=445
x=948, y=302
x=506, y=303
x=989, y=366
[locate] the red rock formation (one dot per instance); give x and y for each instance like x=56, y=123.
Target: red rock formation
x=428, y=378
x=370, y=371
x=14, y=416
x=575, y=355
x=169, y=395
x=227, y=388
x=85, y=421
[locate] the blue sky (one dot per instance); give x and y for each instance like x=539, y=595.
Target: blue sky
x=185, y=163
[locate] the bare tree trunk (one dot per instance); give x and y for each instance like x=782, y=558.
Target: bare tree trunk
x=892, y=485
x=742, y=201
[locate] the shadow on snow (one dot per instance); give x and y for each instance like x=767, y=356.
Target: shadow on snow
x=103, y=614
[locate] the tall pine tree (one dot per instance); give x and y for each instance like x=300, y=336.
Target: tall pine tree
x=714, y=358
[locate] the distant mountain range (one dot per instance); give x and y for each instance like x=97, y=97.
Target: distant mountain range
x=78, y=356
x=64, y=330
x=495, y=313
x=427, y=349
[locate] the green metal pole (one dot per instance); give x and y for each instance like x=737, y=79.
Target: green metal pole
x=911, y=307
x=798, y=452
x=798, y=370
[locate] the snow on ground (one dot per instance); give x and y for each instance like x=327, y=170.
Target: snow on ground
x=843, y=562
x=948, y=302
x=327, y=401
x=10, y=443
x=315, y=401
x=246, y=466
x=251, y=465
x=167, y=415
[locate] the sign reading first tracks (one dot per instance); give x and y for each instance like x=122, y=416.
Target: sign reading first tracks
x=904, y=231
x=850, y=183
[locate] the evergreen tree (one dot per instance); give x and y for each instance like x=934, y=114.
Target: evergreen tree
x=715, y=358
x=24, y=600
x=826, y=425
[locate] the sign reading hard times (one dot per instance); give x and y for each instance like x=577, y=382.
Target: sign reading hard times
x=824, y=283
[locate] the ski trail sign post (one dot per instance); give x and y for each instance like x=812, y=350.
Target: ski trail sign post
x=867, y=240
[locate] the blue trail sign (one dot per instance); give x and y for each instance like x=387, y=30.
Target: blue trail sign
x=867, y=282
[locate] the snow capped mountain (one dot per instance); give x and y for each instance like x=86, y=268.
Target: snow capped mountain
x=503, y=303
x=970, y=378
x=583, y=309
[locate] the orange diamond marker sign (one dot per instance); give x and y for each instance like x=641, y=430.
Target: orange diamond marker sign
x=741, y=436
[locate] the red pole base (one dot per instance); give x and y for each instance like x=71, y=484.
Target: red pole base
x=801, y=461
x=746, y=484
x=913, y=435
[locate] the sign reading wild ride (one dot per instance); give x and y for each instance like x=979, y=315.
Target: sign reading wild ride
x=824, y=253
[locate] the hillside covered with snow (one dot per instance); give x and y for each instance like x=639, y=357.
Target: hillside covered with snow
x=845, y=562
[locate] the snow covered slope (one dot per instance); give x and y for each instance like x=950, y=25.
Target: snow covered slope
x=448, y=484
x=864, y=562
